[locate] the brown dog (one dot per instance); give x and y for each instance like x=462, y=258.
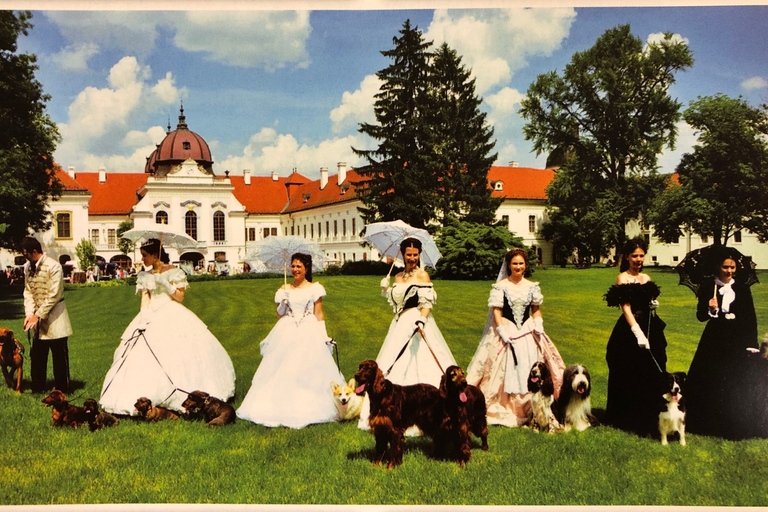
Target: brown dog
x=465, y=410
x=214, y=411
x=11, y=359
x=96, y=419
x=154, y=412
x=64, y=414
x=394, y=408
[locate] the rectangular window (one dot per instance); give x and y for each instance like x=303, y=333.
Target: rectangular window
x=251, y=234
x=737, y=237
x=505, y=221
x=111, y=237
x=219, y=235
x=274, y=231
x=531, y=223
x=319, y=230
x=354, y=230
x=286, y=230
x=312, y=231
x=335, y=228
x=292, y=231
x=344, y=227
x=63, y=225
x=95, y=237
x=266, y=232
x=327, y=229
x=704, y=239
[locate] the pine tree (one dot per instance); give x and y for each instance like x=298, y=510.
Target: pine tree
x=27, y=138
x=461, y=142
x=400, y=183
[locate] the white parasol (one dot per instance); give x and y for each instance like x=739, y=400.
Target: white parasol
x=167, y=237
x=275, y=252
x=387, y=236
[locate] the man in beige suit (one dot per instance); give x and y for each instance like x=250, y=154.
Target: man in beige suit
x=46, y=313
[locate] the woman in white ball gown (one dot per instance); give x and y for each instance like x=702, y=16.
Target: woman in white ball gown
x=411, y=297
x=291, y=386
x=166, y=350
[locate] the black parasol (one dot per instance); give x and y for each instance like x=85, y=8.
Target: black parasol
x=700, y=265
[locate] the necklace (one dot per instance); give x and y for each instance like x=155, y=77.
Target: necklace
x=408, y=275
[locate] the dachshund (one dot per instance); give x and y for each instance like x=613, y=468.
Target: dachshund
x=154, y=413
x=64, y=414
x=96, y=419
x=215, y=411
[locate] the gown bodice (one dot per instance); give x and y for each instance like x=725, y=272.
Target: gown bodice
x=639, y=296
x=404, y=296
x=515, y=300
x=301, y=301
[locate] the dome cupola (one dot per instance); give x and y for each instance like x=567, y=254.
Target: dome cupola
x=178, y=146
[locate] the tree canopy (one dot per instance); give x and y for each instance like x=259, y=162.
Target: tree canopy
x=609, y=115
x=28, y=138
x=722, y=183
x=433, y=157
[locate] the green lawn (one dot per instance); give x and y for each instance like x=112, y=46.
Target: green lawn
x=177, y=462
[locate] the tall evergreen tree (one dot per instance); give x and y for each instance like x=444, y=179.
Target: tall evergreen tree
x=400, y=183
x=27, y=138
x=461, y=142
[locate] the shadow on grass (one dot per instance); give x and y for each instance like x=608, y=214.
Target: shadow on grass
x=412, y=444
x=10, y=306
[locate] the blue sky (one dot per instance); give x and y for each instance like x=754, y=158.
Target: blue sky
x=278, y=90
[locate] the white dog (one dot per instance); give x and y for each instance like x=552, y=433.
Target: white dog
x=672, y=415
x=574, y=404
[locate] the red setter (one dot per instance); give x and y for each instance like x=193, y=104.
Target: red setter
x=465, y=413
x=64, y=414
x=394, y=408
x=11, y=359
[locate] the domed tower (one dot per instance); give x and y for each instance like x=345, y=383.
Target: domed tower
x=177, y=146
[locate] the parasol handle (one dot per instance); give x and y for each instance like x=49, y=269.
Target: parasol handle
x=390, y=268
x=714, y=296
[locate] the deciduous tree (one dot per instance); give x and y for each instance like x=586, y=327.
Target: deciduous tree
x=28, y=138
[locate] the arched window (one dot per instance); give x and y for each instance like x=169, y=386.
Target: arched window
x=161, y=218
x=190, y=224
x=218, y=227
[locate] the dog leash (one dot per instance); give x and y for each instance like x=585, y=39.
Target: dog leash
x=402, y=351
x=648, y=337
x=335, y=346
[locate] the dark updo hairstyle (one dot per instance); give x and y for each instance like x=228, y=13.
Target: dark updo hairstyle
x=410, y=242
x=152, y=246
x=725, y=253
x=305, y=260
x=517, y=251
x=629, y=247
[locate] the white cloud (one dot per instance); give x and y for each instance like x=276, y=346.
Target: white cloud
x=505, y=101
x=756, y=82
x=495, y=43
x=100, y=116
x=269, y=151
x=658, y=37
x=356, y=107
x=75, y=57
x=686, y=138
x=271, y=39
x=247, y=39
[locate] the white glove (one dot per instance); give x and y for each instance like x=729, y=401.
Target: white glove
x=384, y=283
x=144, y=318
x=321, y=328
x=504, y=334
x=282, y=308
x=419, y=324
x=538, y=324
x=642, y=341
x=654, y=304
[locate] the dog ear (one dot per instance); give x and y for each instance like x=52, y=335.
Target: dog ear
x=352, y=383
x=378, y=382
x=334, y=386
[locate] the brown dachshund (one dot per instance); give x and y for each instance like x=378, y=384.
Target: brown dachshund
x=214, y=411
x=96, y=419
x=11, y=359
x=64, y=414
x=154, y=412
x=465, y=413
x=394, y=408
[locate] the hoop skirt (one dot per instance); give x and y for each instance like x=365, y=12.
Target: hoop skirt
x=174, y=352
x=417, y=364
x=292, y=385
x=633, y=401
x=502, y=376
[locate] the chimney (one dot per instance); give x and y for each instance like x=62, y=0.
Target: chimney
x=71, y=171
x=274, y=175
x=323, y=177
x=102, y=175
x=247, y=176
x=514, y=163
x=342, y=172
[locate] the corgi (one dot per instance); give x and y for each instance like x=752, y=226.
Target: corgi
x=348, y=404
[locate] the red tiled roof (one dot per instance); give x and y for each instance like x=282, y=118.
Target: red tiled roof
x=263, y=195
x=67, y=183
x=331, y=194
x=117, y=195
x=520, y=182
